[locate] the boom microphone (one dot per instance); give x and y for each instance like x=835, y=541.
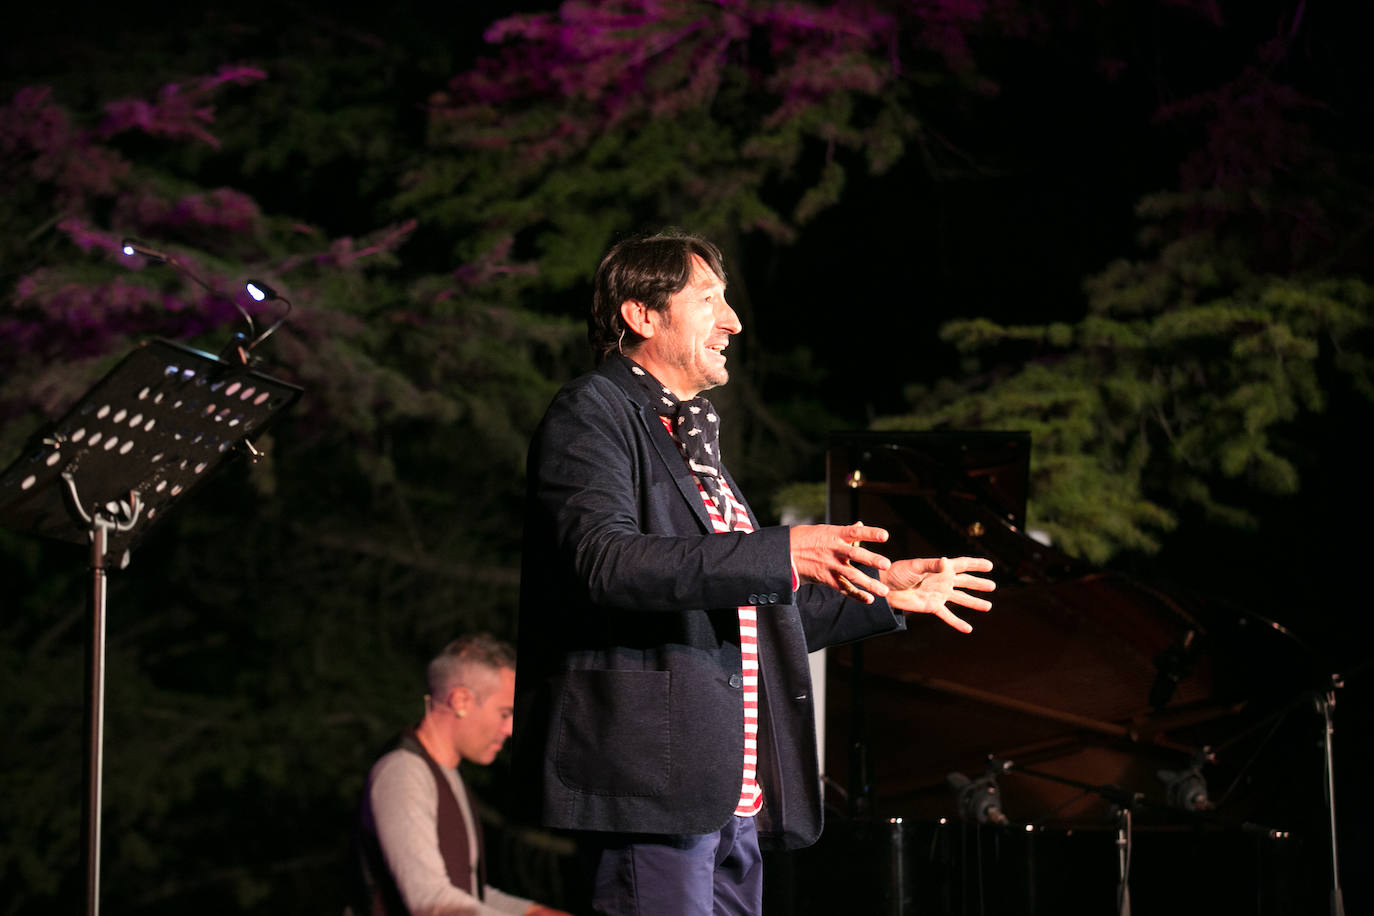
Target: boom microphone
x=978, y=800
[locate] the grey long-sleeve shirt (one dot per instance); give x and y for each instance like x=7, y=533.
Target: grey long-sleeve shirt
x=402, y=807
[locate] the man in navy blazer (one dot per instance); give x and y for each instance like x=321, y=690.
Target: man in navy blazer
x=663, y=702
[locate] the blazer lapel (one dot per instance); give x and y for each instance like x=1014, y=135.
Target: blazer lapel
x=676, y=465
x=667, y=447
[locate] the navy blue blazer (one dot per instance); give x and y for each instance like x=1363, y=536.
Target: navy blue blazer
x=629, y=709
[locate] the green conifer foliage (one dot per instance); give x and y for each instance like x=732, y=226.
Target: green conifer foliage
x=1196, y=365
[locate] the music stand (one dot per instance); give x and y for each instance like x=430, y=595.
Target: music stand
x=132, y=449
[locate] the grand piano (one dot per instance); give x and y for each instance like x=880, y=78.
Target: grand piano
x=1098, y=739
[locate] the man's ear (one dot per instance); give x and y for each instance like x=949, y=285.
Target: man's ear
x=638, y=317
x=460, y=700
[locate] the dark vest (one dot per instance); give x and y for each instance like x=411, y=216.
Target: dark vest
x=380, y=896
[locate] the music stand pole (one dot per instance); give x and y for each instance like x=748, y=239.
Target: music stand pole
x=95, y=713
x=101, y=525
x=95, y=719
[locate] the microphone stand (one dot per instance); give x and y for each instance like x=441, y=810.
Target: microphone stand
x=1326, y=703
x=1123, y=860
x=130, y=450
x=1324, y=699
x=1123, y=803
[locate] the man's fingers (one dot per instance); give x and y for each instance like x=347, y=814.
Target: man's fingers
x=948, y=616
x=861, y=532
x=977, y=583
x=855, y=535
x=859, y=580
x=858, y=554
x=848, y=589
x=970, y=602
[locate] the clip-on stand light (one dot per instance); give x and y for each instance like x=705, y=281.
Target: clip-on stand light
x=131, y=449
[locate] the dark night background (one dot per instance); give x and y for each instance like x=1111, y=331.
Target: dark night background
x=1188, y=169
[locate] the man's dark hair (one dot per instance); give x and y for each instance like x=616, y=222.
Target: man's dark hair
x=649, y=269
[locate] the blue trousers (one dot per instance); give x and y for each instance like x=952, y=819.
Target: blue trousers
x=714, y=874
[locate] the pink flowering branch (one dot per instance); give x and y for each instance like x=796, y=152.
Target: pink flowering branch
x=342, y=251
x=219, y=209
x=39, y=142
x=492, y=264
x=631, y=60
x=87, y=238
x=179, y=111
x=61, y=318
x=1251, y=132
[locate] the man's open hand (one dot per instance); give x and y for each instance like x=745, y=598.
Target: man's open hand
x=928, y=586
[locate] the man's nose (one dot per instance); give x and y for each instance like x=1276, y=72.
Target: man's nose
x=729, y=321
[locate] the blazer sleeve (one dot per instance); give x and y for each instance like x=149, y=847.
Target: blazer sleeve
x=620, y=520
x=830, y=619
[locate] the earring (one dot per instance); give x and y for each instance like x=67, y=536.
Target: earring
x=620, y=344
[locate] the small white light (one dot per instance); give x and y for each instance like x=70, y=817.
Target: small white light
x=257, y=292
x=128, y=249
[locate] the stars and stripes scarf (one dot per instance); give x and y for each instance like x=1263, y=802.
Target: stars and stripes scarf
x=698, y=432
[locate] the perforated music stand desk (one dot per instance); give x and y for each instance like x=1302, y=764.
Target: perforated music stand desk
x=134, y=447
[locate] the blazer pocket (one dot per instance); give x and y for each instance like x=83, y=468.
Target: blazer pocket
x=614, y=736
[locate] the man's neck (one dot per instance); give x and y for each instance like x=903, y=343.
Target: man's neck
x=663, y=375
x=430, y=737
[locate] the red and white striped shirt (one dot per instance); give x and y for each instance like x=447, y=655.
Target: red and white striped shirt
x=751, y=795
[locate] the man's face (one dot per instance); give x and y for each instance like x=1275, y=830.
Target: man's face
x=687, y=349
x=478, y=736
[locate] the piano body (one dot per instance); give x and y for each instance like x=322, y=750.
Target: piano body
x=1083, y=694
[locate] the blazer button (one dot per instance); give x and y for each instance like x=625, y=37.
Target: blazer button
x=773, y=598
x=753, y=600
x=736, y=681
